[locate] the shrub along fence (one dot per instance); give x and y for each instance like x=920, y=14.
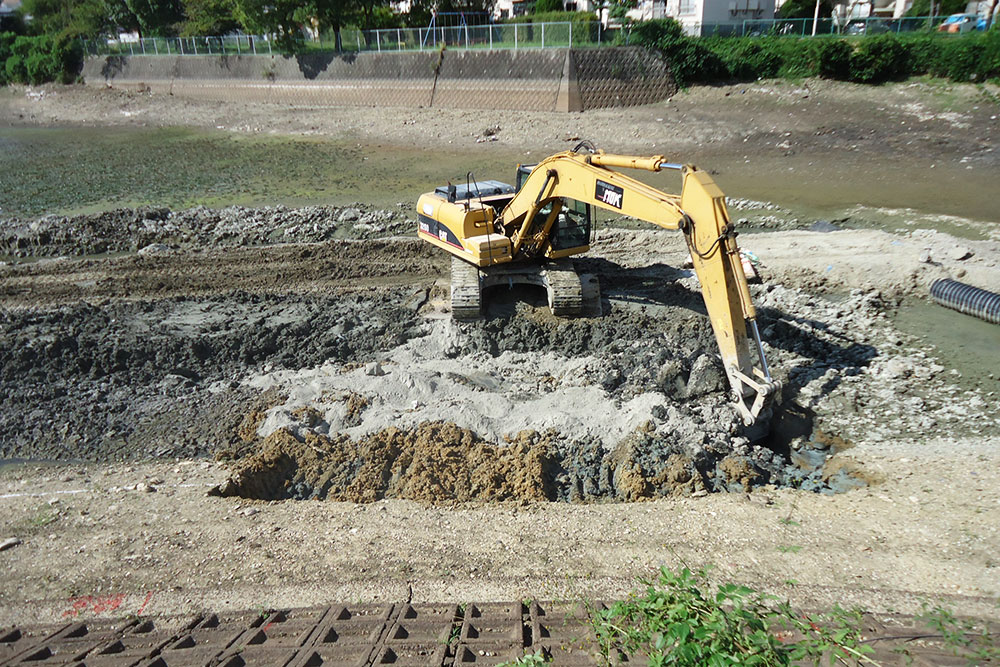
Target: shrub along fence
x=693, y=60
x=867, y=59
x=35, y=60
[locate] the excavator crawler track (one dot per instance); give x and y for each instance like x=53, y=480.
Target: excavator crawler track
x=564, y=289
x=466, y=290
x=569, y=294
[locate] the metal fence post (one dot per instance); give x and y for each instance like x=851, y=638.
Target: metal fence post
x=491, y=37
x=269, y=47
x=378, y=41
x=515, y=37
x=466, y=36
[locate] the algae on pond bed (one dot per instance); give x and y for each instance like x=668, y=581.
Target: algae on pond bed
x=81, y=170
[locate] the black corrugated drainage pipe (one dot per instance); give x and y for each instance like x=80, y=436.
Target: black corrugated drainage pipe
x=967, y=299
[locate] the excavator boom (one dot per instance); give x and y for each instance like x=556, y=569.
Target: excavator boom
x=542, y=220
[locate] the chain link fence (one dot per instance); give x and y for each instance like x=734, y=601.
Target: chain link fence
x=494, y=36
x=513, y=36
x=844, y=26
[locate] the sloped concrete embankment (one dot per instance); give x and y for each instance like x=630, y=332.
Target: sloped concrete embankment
x=530, y=80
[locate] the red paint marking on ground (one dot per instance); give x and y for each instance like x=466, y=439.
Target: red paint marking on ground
x=264, y=629
x=77, y=605
x=95, y=604
x=142, y=607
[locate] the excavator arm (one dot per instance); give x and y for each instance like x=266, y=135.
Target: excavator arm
x=699, y=212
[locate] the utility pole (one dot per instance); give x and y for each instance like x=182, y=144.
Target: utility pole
x=815, y=17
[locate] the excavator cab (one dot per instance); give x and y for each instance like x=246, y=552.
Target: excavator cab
x=569, y=233
x=572, y=227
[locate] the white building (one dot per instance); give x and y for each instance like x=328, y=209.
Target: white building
x=704, y=17
x=8, y=7
x=503, y=9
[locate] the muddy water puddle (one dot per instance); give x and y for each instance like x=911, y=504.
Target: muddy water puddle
x=961, y=342
x=868, y=192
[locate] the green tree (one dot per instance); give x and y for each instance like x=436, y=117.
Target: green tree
x=804, y=9
x=941, y=7
x=618, y=9
x=72, y=18
x=208, y=17
x=156, y=17
x=284, y=18
x=121, y=16
x=542, y=6
x=379, y=18
x=420, y=14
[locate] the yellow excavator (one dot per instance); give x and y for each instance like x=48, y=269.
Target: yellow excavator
x=500, y=234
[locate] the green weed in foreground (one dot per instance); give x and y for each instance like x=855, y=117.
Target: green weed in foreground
x=679, y=620
x=527, y=661
x=963, y=637
x=682, y=619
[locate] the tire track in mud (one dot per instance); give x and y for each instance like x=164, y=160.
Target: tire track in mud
x=318, y=267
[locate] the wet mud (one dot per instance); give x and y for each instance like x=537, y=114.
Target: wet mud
x=125, y=379
x=332, y=369
x=161, y=230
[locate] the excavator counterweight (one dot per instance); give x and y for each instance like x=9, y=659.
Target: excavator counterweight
x=502, y=234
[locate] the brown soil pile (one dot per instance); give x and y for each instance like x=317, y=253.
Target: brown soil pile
x=436, y=462
x=441, y=462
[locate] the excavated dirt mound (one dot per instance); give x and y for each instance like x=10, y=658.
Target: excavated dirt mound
x=440, y=462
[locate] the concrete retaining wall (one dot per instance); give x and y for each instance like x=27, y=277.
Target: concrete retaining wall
x=539, y=80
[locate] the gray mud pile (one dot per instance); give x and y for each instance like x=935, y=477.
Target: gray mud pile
x=125, y=380
x=527, y=407
x=129, y=230
x=679, y=435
